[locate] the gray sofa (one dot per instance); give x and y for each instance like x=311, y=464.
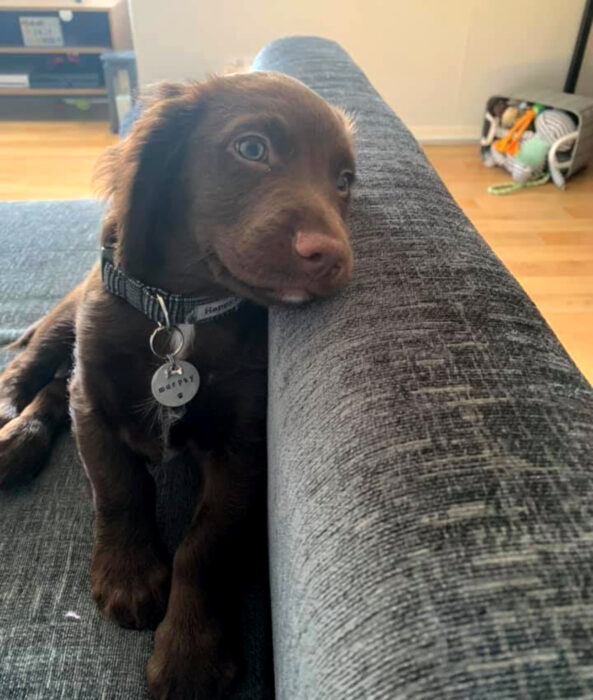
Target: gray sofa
x=430, y=464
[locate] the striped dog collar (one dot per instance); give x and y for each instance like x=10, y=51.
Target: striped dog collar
x=181, y=309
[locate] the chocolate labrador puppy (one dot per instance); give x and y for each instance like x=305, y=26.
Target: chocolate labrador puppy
x=227, y=196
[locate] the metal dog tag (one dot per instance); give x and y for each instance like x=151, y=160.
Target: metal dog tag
x=175, y=384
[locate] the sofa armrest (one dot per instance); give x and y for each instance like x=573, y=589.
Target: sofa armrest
x=430, y=448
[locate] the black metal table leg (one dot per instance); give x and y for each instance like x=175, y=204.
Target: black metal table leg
x=579, y=48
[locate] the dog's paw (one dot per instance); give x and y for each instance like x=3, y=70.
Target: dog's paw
x=187, y=664
x=130, y=586
x=24, y=444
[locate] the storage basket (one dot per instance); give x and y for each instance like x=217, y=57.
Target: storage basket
x=579, y=107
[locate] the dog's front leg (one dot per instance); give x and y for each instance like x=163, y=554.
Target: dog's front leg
x=129, y=580
x=195, y=645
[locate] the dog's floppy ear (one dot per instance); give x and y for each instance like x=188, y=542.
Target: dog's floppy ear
x=141, y=175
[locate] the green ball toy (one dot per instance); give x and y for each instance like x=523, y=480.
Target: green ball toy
x=534, y=152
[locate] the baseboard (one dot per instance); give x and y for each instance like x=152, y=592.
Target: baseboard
x=463, y=133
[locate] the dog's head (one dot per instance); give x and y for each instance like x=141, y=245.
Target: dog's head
x=241, y=182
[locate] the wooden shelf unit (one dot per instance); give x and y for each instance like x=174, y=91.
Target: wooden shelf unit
x=53, y=49
x=41, y=6
x=119, y=32
x=55, y=92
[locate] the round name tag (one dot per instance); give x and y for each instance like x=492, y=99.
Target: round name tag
x=176, y=384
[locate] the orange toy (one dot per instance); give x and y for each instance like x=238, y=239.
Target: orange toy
x=511, y=141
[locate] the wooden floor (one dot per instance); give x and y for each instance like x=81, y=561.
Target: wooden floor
x=544, y=236
x=50, y=160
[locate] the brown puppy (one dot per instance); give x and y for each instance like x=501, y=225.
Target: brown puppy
x=238, y=185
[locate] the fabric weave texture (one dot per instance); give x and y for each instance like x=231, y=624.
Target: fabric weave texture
x=431, y=452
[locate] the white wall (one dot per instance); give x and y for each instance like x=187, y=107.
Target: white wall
x=434, y=61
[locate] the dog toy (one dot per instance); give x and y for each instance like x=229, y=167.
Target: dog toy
x=553, y=124
x=510, y=143
x=493, y=157
x=554, y=132
x=509, y=116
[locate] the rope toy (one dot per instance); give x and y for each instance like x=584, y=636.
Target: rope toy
x=510, y=187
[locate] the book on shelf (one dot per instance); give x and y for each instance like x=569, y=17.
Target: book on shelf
x=14, y=80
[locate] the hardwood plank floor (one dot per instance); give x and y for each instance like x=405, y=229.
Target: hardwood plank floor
x=544, y=236
x=50, y=160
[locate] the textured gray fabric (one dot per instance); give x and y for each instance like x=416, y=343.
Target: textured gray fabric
x=46, y=527
x=430, y=492
x=46, y=248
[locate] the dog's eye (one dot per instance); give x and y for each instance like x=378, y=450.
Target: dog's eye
x=252, y=148
x=344, y=182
